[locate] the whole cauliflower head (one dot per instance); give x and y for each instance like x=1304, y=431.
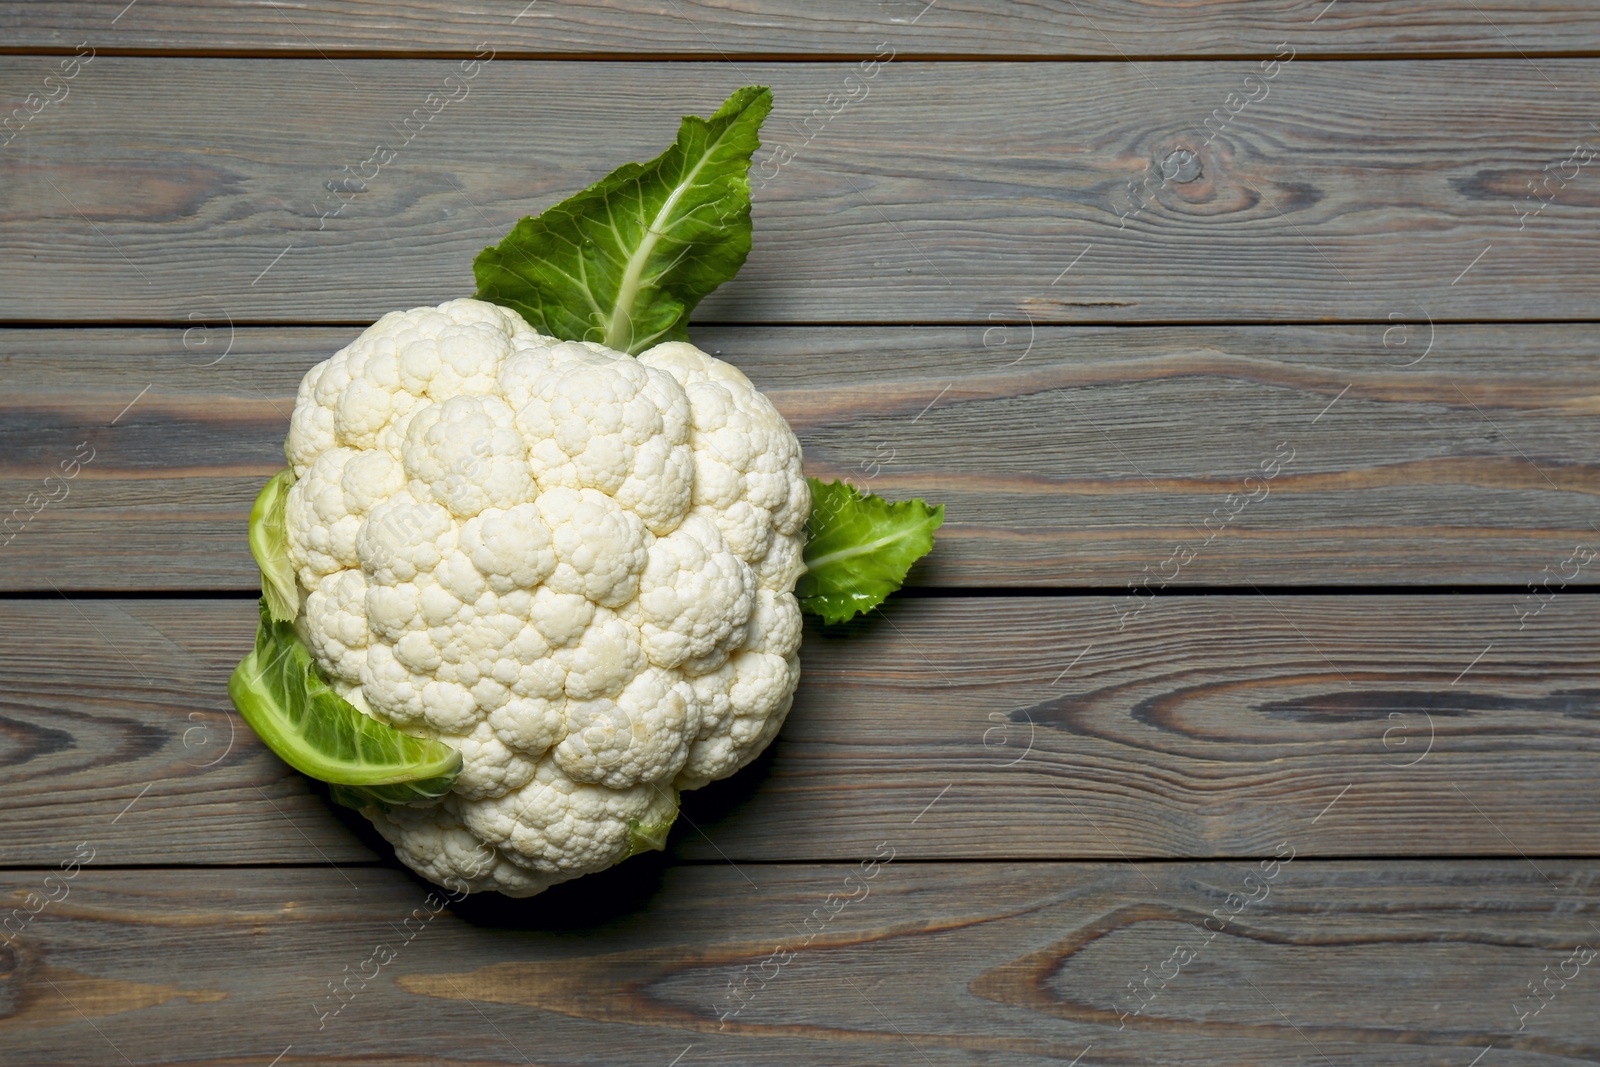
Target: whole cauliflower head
x=572, y=565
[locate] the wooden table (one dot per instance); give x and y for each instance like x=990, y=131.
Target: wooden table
x=1248, y=712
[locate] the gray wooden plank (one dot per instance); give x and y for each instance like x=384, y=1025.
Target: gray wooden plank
x=1025, y=963
x=1104, y=28
x=987, y=727
x=1081, y=456
x=161, y=188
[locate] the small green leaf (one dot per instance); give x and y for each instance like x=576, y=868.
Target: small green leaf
x=859, y=547
x=287, y=702
x=625, y=261
x=651, y=836
x=269, y=547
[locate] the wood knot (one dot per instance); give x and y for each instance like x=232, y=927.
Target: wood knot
x=1181, y=167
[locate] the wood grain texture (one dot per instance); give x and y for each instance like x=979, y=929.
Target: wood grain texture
x=163, y=188
x=1065, y=456
x=960, y=727
x=713, y=28
x=1339, y=963
x=948, y=857
x=1088, y=455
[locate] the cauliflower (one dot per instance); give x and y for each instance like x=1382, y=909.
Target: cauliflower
x=573, y=566
x=518, y=590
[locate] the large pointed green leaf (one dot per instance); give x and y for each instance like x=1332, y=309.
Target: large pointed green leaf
x=859, y=547
x=283, y=696
x=625, y=261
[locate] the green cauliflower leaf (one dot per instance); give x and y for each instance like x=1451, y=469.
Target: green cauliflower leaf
x=289, y=704
x=859, y=547
x=625, y=261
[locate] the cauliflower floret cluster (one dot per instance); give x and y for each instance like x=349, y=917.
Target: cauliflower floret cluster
x=572, y=565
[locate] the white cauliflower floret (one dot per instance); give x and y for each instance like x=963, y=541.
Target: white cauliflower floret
x=334, y=624
x=489, y=767
x=741, y=706
x=746, y=457
x=694, y=594
x=467, y=454
x=557, y=826
x=511, y=548
x=640, y=736
x=573, y=566
x=599, y=545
